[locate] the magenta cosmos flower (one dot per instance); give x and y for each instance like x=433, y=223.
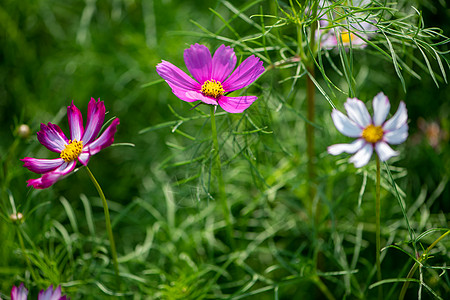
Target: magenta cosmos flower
x=212, y=77
x=371, y=133
x=81, y=146
x=21, y=293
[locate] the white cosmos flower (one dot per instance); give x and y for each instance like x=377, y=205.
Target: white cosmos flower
x=371, y=133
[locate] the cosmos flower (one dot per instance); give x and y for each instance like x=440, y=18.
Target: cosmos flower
x=21, y=293
x=352, y=31
x=371, y=133
x=212, y=76
x=50, y=294
x=81, y=146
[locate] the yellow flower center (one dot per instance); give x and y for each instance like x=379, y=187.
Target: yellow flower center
x=72, y=150
x=372, y=133
x=212, y=88
x=347, y=37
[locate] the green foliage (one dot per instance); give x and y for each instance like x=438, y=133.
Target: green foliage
x=159, y=177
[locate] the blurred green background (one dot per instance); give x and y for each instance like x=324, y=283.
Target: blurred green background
x=55, y=52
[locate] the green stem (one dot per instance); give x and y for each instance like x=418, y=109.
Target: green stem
x=377, y=225
x=107, y=221
x=323, y=288
x=310, y=95
x=222, y=194
x=22, y=246
x=417, y=263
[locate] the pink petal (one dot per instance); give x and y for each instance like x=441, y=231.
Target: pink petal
x=384, y=151
x=362, y=157
x=49, y=294
x=48, y=179
x=245, y=74
x=199, y=96
x=176, y=78
x=84, y=157
x=357, y=112
x=19, y=293
x=75, y=122
x=104, y=140
x=40, y=166
x=344, y=125
x=381, y=107
x=94, y=121
x=236, y=104
x=52, y=137
x=199, y=63
x=188, y=96
x=223, y=63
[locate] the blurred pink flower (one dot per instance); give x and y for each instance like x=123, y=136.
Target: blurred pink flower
x=214, y=77
x=21, y=293
x=371, y=133
x=82, y=145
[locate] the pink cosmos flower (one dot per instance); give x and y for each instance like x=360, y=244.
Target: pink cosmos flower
x=21, y=293
x=212, y=77
x=81, y=146
x=371, y=133
x=49, y=294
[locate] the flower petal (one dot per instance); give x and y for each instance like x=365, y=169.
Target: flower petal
x=398, y=120
x=384, y=151
x=176, y=78
x=236, y=104
x=362, y=157
x=52, y=137
x=199, y=63
x=223, y=63
x=347, y=148
x=397, y=136
x=104, y=140
x=381, y=107
x=344, y=125
x=245, y=74
x=75, y=122
x=94, y=121
x=357, y=112
x=48, y=179
x=194, y=96
x=49, y=294
x=84, y=157
x=40, y=166
x=19, y=293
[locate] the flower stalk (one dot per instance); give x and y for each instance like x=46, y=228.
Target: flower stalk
x=221, y=183
x=107, y=221
x=377, y=227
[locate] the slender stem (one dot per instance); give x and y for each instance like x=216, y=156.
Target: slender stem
x=416, y=264
x=22, y=245
x=310, y=95
x=222, y=194
x=377, y=225
x=107, y=221
x=323, y=288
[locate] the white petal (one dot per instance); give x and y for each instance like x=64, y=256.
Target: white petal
x=347, y=148
x=398, y=120
x=362, y=157
x=381, y=108
x=357, y=112
x=384, y=151
x=397, y=136
x=345, y=125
